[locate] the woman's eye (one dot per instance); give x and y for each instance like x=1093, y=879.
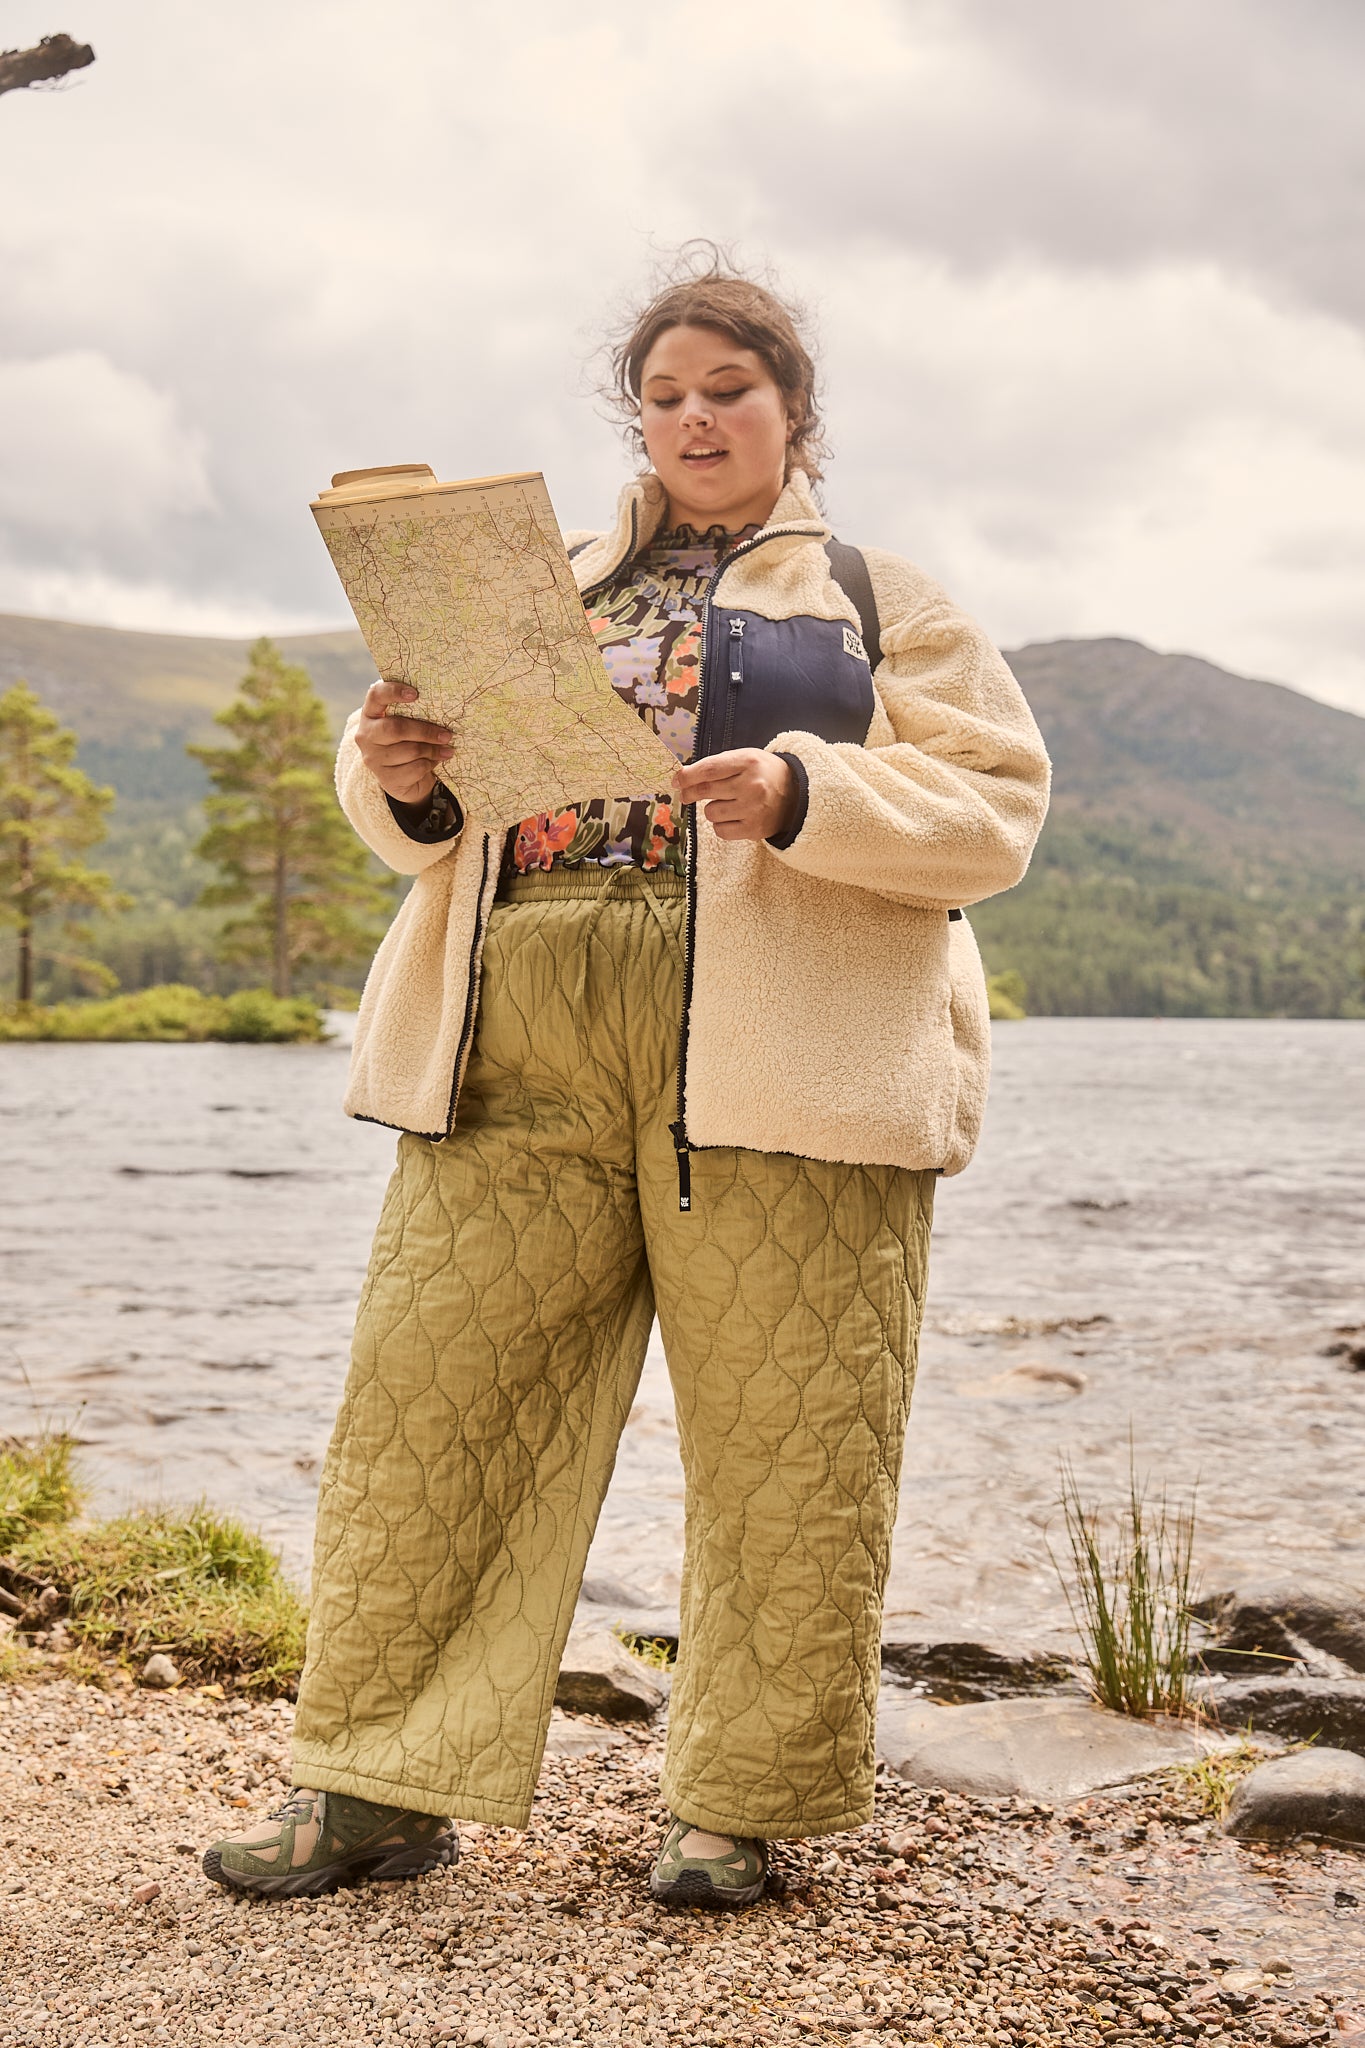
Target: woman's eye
x=663, y=404
x=739, y=393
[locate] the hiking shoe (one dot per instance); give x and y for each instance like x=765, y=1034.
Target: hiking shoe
x=319, y=1840
x=700, y=1869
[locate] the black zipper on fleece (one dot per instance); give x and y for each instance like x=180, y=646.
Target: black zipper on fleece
x=682, y=1145
x=471, y=995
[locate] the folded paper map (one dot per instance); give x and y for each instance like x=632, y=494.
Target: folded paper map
x=465, y=591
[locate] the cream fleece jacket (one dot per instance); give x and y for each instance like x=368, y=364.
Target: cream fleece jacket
x=836, y=1011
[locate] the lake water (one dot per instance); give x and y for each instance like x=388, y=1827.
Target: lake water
x=1163, y=1234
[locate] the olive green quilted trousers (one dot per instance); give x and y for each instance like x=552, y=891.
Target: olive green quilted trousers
x=516, y=1271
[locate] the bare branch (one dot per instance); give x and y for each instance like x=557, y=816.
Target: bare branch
x=52, y=58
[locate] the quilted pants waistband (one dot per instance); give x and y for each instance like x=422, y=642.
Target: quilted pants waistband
x=572, y=884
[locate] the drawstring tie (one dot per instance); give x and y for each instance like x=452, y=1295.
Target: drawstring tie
x=644, y=887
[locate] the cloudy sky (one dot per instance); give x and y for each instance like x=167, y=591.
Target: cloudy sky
x=1088, y=280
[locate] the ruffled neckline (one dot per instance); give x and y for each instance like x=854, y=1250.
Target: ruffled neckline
x=717, y=537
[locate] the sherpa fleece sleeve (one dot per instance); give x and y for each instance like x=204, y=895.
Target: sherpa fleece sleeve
x=943, y=806
x=367, y=807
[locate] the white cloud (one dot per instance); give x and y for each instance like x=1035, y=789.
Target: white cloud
x=1158, y=453
x=83, y=440
x=1088, y=282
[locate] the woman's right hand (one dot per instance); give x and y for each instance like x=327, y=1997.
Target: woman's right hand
x=402, y=754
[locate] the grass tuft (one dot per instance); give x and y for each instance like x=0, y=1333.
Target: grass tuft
x=38, y=1487
x=1214, y=1778
x=1130, y=1599
x=194, y=1584
x=655, y=1650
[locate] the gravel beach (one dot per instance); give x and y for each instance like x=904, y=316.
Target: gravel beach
x=938, y=1923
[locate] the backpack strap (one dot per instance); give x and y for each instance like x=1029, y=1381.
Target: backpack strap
x=850, y=573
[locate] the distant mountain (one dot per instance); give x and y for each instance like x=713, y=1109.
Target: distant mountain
x=1250, y=780
x=1205, y=854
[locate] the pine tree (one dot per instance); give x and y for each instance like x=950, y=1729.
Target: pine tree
x=287, y=854
x=49, y=812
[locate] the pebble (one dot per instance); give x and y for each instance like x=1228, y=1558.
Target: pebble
x=930, y=1925
x=159, y=1671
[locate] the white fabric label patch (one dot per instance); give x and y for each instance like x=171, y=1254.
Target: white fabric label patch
x=853, y=645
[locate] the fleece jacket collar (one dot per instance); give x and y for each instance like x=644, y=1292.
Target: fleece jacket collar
x=643, y=506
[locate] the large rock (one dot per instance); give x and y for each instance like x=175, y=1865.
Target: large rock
x=1054, y=1750
x=988, y=1668
x=598, y=1675
x=1312, y=1792
x=1261, y=1628
x=1327, y=1710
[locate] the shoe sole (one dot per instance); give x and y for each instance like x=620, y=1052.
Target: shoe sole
x=694, y=1888
x=438, y=1854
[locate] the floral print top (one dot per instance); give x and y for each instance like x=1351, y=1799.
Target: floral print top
x=647, y=622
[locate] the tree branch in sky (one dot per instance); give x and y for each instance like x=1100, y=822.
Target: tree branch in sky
x=52, y=58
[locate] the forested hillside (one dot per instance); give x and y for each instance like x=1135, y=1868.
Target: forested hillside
x=136, y=699
x=1205, y=854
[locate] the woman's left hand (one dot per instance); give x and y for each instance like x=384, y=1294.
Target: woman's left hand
x=747, y=793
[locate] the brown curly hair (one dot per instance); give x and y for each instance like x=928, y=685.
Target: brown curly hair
x=703, y=288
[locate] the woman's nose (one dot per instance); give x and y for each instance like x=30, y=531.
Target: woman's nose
x=697, y=411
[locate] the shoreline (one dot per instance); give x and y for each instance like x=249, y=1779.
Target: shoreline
x=948, y=1920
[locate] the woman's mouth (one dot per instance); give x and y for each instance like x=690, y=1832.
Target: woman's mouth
x=704, y=458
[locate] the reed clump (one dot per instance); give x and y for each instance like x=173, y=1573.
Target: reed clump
x=1130, y=1596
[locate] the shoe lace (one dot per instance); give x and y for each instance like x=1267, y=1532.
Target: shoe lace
x=298, y=1806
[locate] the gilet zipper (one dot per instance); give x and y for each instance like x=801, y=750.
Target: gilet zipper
x=736, y=680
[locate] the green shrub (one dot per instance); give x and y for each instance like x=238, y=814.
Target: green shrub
x=172, y=1014
x=1006, y=992
x=255, y=1017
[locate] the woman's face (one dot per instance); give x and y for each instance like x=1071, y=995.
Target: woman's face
x=715, y=427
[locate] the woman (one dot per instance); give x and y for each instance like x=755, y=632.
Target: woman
x=709, y=1048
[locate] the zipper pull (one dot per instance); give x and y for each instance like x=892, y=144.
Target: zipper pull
x=736, y=650
x=681, y=1147
x=736, y=679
